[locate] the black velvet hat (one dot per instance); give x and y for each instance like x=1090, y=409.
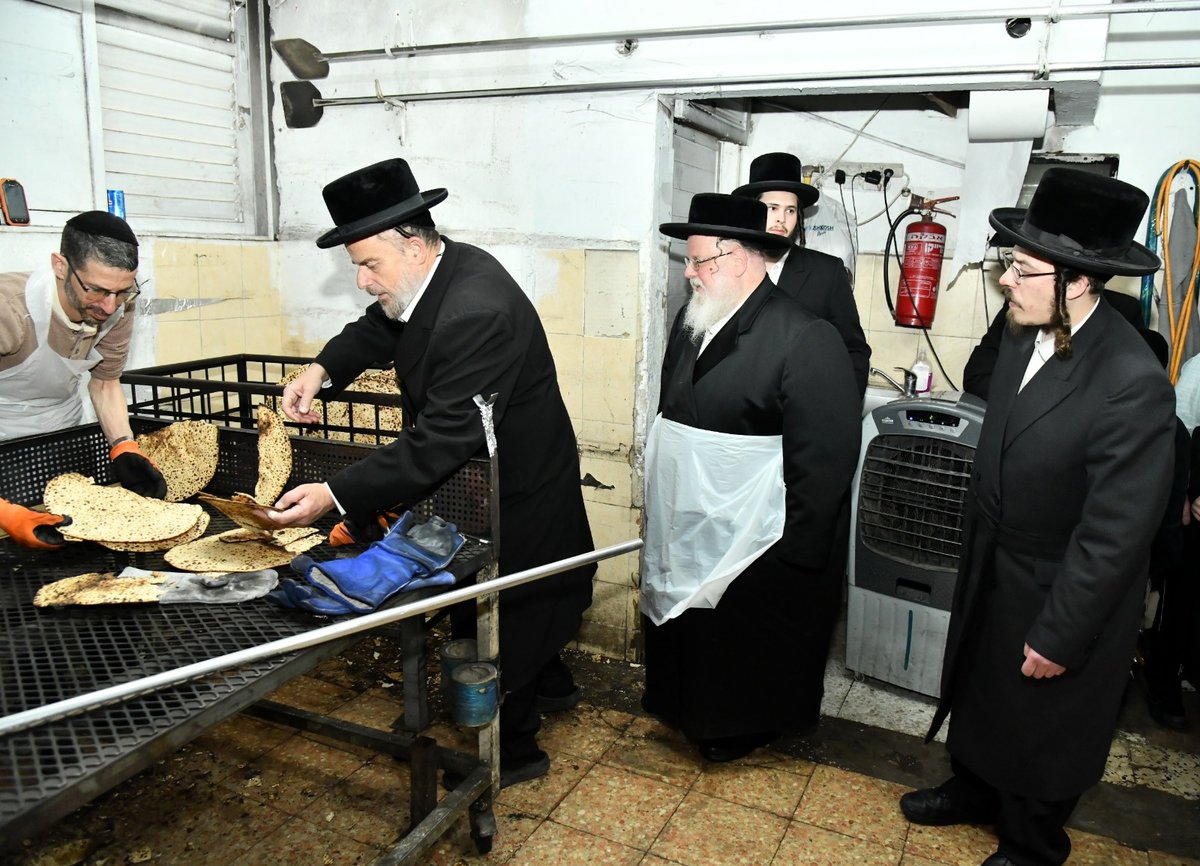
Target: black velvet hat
x=374, y=199
x=1080, y=220
x=778, y=171
x=727, y=216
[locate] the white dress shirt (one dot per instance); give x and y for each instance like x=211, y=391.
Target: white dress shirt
x=1043, y=347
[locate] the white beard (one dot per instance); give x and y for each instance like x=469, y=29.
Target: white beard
x=706, y=309
x=398, y=301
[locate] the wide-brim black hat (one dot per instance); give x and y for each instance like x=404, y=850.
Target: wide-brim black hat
x=374, y=199
x=1081, y=220
x=778, y=171
x=726, y=216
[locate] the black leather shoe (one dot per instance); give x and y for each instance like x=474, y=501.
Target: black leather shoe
x=513, y=775
x=936, y=807
x=732, y=748
x=998, y=859
x=1168, y=712
x=558, y=703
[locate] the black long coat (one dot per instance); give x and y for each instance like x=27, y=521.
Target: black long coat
x=475, y=332
x=1067, y=491
x=818, y=282
x=757, y=661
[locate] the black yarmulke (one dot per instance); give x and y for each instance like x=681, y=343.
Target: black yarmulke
x=100, y=223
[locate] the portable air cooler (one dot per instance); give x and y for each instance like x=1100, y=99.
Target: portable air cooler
x=906, y=535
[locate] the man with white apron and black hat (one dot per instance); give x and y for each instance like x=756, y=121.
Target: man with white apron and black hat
x=1070, y=478
x=748, y=471
x=816, y=280
x=56, y=326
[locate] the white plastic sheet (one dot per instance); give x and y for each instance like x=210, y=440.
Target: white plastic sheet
x=714, y=504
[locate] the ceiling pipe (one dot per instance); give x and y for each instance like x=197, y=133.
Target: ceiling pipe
x=307, y=62
x=303, y=104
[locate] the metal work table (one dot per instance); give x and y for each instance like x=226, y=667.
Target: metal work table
x=48, y=655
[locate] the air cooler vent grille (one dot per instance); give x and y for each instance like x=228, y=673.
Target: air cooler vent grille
x=911, y=495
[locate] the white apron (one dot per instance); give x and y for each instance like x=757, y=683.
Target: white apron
x=43, y=393
x=714, y=504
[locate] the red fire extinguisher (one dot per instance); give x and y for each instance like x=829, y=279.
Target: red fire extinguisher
x=921, y=270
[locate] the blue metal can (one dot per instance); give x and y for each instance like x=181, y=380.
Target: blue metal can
x=116, y=202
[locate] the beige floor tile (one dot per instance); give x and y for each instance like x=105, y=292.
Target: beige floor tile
x=654, y=860
x=1088, y=849
x=706, y=831
x=566, y=846
x=769, y=760
x=540, y=796
x=308, y=693
x=371, y=710
x=625, y=807
x=757, y=787
x=240, y=739
x=805, y=845
x=652, y=749
x=586, y=731
x=291, y=776
x=457, y=848
x=854, y=805
x=370, y=806
x=1158, y=858
x=913, y=860
x=961, y=843
x=301, y=842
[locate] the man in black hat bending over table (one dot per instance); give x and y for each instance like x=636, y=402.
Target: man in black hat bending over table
x=816, y=280
x=57, y=325
x=457, y=325
x=748, y=471
x=1071, y=472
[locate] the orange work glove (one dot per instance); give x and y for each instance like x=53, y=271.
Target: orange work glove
x=134, y=470
x=30, y=528
x=350, y=531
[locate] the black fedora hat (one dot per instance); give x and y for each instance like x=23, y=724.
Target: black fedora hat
x=1081, y=220
x=778, y=171
x=374, y=199
x=726, y=216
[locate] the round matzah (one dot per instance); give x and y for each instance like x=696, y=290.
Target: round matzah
x=241, y=509
x=114, y=513
x=166, y=544
x=99, y=588
x=274, y=456
x=185, y=453
x=281, y=537
x=214, y=554
x=339, y=412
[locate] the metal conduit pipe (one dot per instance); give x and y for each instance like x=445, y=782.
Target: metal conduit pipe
x=307, y=62
x=26, y=719
x=303, y=104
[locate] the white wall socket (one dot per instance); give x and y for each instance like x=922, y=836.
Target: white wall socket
x=855, y=168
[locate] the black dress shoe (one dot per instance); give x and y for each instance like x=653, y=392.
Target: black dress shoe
x=998, y=859
x=732, y=748
x=937, y=807
x=1167, y=711
x=558, y=703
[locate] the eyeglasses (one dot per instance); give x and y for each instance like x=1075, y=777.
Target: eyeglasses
x=1006, y=259
x=95, y=294
x=696, y=263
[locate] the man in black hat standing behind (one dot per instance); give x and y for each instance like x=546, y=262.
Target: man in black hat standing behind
x=457, y=325
x=1072, y=468
x=816, y=280
x=748, y=471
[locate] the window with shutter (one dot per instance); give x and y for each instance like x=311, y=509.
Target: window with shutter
x=182, y=109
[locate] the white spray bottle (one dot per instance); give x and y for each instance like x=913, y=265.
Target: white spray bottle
x=922, y=371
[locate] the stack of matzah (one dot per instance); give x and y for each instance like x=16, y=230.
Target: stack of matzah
x=243, y=550
x=120, y=519
x=360, y=416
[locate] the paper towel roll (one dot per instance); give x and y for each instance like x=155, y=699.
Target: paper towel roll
x=1007, y=115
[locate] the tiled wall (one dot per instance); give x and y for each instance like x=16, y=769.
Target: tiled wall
x=236, y=301
x=591, y=321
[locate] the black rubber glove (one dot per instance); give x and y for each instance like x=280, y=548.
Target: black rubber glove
x=135, y=471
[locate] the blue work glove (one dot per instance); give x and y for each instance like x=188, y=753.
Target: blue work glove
x=410, y=556
x=293, y=594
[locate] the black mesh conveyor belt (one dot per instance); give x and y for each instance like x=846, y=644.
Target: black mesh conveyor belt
x=48, y=655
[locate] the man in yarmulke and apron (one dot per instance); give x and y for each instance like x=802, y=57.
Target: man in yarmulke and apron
x=1070, y=480
x=58, y=325
x=748, y=471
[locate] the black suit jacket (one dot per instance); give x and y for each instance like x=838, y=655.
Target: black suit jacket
x=818, y=282
x=475, y=332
